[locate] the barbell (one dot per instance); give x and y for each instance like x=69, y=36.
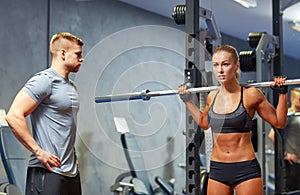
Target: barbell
x=146, y=94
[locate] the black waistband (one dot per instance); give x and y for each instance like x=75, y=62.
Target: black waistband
x=232, y=130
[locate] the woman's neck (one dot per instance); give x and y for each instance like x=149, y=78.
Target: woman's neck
x=230, y=87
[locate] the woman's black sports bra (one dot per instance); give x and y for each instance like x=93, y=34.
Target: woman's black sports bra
x=238, y=121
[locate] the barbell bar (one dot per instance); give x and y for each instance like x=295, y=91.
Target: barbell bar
x=146, y=94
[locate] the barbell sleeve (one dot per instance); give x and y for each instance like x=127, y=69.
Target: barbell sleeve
x=143, y=95
x=146, y=94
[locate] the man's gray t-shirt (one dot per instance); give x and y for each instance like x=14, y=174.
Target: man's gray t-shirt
x=291, y=133
x=54, y=120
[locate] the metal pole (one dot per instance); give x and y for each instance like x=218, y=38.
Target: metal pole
x=146, y=94
x=48, y=33
x=193, y=137
x=277, y=31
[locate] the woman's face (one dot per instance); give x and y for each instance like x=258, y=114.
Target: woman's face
x=224, y=67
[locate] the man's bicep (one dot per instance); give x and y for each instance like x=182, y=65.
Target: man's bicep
x=23, y=104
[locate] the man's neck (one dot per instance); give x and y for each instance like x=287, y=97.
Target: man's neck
x=64, y=73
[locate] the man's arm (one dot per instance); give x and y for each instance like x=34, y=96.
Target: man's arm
x=21, y=107
x=272, y=135
x=292, y=158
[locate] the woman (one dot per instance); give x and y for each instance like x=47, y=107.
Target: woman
x=229, y=112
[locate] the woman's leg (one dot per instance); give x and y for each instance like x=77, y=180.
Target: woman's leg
x=252, y=186
x=217, y=188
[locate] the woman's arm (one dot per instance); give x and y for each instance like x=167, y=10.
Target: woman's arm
x=200, y=117
x=276, y=117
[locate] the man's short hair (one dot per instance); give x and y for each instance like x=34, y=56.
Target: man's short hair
x=64, y=35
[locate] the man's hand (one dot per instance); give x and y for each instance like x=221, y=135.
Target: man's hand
x=292, y=158
x=48, y=159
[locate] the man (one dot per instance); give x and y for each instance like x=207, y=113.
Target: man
x=291, y=133
x=291, y=145
x=51, y=100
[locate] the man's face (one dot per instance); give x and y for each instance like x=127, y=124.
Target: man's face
x=295, y=100
x=74, y=57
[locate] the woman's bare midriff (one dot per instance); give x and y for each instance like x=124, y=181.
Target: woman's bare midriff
x=232, y=147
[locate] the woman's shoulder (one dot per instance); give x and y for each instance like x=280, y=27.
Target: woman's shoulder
x=252, y=90
x=253, y=94
x=212, y=94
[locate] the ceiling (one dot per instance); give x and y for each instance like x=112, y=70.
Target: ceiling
x=236, y=20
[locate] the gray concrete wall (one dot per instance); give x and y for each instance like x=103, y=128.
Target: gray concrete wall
x=23, y=44
x=126, y=49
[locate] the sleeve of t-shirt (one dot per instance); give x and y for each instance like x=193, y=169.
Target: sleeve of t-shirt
x=38, y=87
